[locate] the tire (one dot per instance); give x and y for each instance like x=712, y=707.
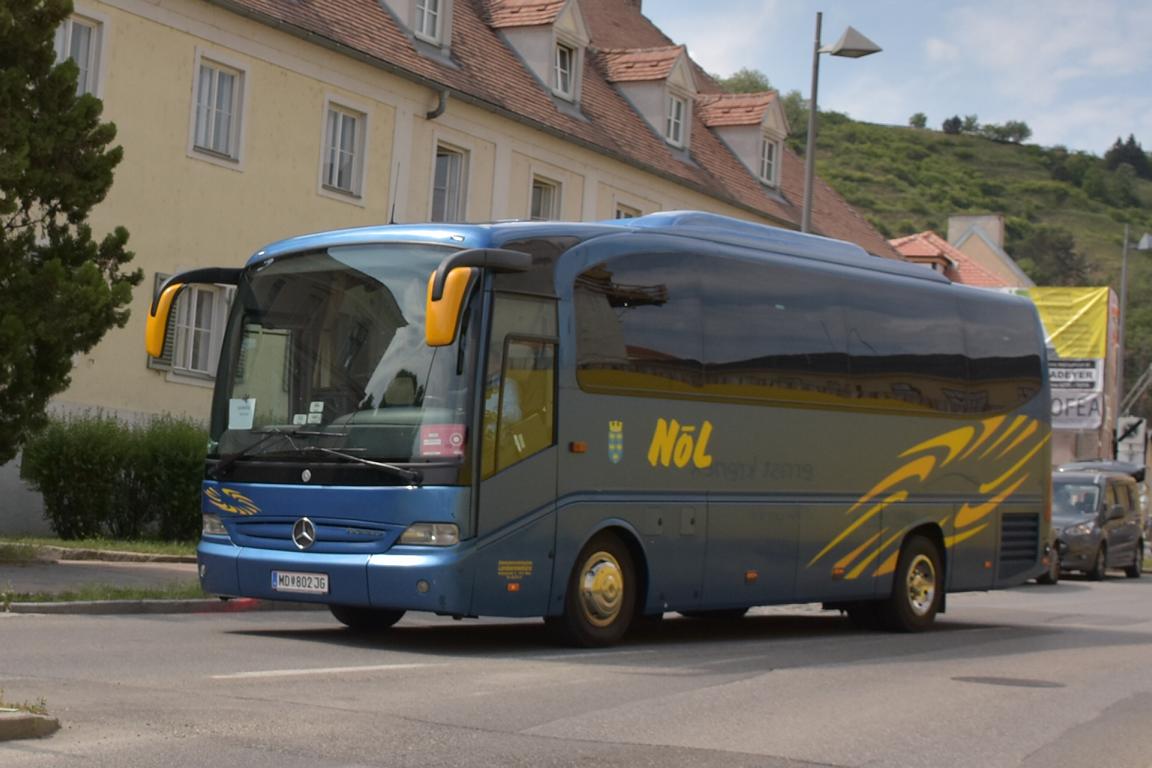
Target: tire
x=1099, y=565
x=917, y=588
x=1053, y=573
x=600, y=600
x=717, y=614
x=368, y=620
x=1133, y=571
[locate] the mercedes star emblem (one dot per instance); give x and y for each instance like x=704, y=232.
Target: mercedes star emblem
x=303, y=533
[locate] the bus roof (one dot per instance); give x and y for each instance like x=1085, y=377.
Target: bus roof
x=691, y=224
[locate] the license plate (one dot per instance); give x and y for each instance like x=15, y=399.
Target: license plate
x=294, y=581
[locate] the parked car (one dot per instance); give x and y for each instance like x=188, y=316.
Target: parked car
x=1138, y=473
x=1097, y=518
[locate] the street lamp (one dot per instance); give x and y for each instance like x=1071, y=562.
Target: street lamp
x=852, y=45
x=1145, y=244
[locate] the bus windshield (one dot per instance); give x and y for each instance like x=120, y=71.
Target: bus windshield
x=325, y=351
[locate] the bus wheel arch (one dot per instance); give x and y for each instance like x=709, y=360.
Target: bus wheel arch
x=604, y=590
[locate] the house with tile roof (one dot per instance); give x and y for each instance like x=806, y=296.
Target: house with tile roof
x=246, y=121
x=937, y=254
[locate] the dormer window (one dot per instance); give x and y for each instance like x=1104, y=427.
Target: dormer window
x=769, y=152
x=660, y=85
x=753, y=126
x=550, y=37
x=564, y=84
x=427, y=21
x=677, y=115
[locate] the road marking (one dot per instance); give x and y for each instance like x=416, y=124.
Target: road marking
x=317, y=671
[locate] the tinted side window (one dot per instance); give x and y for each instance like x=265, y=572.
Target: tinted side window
x=639, y=325
x=906, y=346
x=772, y=331
x=1004, y=348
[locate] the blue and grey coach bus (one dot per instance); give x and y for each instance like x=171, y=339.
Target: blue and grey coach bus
x=595, y=423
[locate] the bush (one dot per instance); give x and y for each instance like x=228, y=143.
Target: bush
x=100, y=477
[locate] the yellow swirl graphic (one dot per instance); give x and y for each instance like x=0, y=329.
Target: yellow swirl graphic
x=1012, y=443
x=231, y=501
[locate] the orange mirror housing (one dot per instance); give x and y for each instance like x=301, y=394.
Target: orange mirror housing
x=442, y=315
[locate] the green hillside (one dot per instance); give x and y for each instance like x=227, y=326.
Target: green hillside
x=907, y=180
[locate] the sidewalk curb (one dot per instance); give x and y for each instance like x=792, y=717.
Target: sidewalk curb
x=112, y=556
x=208, y=605
x=16, y=724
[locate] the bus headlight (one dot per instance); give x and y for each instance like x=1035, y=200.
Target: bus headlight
x=431, y=534
x=213, y=526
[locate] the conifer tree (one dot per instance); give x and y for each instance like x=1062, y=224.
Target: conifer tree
x=60, y=288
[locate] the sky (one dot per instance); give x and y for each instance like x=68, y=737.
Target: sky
x=1078, y=72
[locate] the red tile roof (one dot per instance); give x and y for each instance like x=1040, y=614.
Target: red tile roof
x=723, y=109
x=963, y=269
x=639, y=65
x=486, y=72
x=523, y=13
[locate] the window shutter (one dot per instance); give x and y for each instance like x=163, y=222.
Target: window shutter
x=164, y=362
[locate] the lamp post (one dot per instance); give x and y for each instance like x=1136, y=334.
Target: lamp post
x=1145, y=244
x=852, y=45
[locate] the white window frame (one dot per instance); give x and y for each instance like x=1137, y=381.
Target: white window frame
x=676, y=119
x=769, y=160
x=564, y=79
x=340, y=112
x=428, y=13
x=627, y=212
x=89, y=79
x=201, y=146
x=546, y=207
x=454, y=196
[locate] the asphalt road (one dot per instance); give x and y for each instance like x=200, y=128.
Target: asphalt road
x=1037, y=676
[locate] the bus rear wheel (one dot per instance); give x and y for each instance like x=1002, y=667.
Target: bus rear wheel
x=601, y=597
x=360, y=619
x=917, y=587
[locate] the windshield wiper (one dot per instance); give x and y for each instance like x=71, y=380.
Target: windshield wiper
x=226, y=462
x=413, y=476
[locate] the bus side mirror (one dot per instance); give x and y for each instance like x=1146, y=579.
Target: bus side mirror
x=442, y=313
x=156, y=328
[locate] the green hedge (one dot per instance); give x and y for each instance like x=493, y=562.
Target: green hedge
x=100, y=477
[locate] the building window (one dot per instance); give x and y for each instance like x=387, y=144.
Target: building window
x=626, y=212
x=545, y=200
x=677, y=114
x=448, y=185
x=428, y=16
x=195, y=330
x=78, y=39
x=344, y=150
x=769, y=150
x=218, y=100
x=565, y=77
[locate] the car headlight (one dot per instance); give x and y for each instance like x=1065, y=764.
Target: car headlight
x=213, y=526
x=431, y=534
x=1081, y=529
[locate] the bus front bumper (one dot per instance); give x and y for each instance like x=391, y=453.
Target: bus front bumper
x=407, y=578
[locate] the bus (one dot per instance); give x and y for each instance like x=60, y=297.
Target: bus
x=600, y=423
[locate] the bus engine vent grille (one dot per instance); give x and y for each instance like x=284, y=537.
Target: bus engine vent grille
x=1019, y=544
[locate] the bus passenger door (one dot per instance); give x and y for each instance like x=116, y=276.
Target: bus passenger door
x=516, y=524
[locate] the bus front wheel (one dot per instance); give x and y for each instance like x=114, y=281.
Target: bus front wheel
x=601, y=596
x=360, y=619
x=917, y=587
